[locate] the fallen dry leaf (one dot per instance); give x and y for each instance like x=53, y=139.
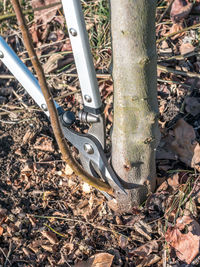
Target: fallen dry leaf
x=175, y=28
x=192, y=225
x=50, y=236
x=180, y=10
x=123, y=242
x=186, y=245
x=46, y=15
x=143, y=229
x=185, y=145
x=29, y=136
x=186, y=48
x=48, y=248
x=174, y=181
x=192, y=105
x=98, y=260
x=149, y=260
x=45, y=144
x=1, y=230
x=57, y=61
x=145, y=249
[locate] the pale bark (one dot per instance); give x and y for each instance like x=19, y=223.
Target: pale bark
x=135, y=130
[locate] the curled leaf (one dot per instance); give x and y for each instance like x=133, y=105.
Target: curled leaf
x=146, y=249
x=186, y=245
x=185, y=145
x=98, y=260
x=180, y=10
x=192, y=105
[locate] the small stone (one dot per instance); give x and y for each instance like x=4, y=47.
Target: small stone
x=86, y=188
x=68, y=170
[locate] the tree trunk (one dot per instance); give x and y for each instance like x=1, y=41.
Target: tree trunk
x=135, y=129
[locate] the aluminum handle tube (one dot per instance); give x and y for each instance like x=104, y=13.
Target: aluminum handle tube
x=23, y=75
x=82, y=54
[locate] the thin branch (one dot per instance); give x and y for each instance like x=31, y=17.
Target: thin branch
x=99, y=76
x=166, y=10
x=178, y=72
x=28, y=11
x=174, y=33
x=78, y=170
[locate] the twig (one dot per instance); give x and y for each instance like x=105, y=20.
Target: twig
x=55, y=122
x=67, y=94
x=175, y=82
x=7, y=76
x=178, y=72
x=182, y=57
x=5, y=257
x=54, y=230
x=99, y=76
x=5, y=112
x=99, y=227
x=166, y=10
x=191, y=192
x=14, y=122
x=28, y=11
x=180, y=31
x=20, y=99
x=8, y=255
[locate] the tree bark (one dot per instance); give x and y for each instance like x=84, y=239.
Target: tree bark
x=135, y=130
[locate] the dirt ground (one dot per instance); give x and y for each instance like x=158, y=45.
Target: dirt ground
x=48, y=217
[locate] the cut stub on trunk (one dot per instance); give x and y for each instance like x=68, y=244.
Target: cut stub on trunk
x=185, y=145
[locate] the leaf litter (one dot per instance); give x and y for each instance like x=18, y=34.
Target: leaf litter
x=49, y=217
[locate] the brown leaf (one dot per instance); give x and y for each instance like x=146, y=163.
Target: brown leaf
x=67, y=46
x=1, y=230
x=192, y=105
x=185, y=245
x=143, y=229
x=50, y=236
x=98, y=260
x=175, y=28
x=45, y=15
x=123, y=242
x=27, y=252
x=150, y=260
x=56, y=61
x=186, y=48
x=34, y=31
x=180, y=10
x=192, y=225
x=29, y=136
x=48, y=248
x=185, y=146
x=69, y=247
x=145, y=249
x=44, y=143
x=174, y=181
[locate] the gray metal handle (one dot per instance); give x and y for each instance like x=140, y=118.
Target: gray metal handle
x=82, y=54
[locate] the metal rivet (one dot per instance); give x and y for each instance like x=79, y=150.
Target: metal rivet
x=1, y=54
x=44, y=107
x=73, y=32
x=88, y=148
x=88, y=98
